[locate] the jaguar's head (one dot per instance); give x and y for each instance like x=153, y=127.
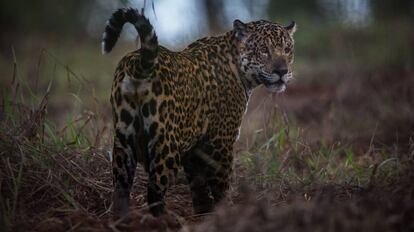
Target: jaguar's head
x=266, y=53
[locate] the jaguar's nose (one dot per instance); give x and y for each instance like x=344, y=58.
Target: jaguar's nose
x=280, y=71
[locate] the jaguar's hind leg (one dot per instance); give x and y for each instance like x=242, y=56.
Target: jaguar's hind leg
x=123, y=165
x=126, y=153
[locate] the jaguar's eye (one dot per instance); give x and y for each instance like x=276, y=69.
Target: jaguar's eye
x=265, y=52
x=287, y=50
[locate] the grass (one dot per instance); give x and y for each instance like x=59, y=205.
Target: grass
x=284, y=156
x=47, y=168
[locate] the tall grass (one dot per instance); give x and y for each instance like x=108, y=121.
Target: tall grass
x=47, y=168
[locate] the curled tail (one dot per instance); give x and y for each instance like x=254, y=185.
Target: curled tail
x=148, y=38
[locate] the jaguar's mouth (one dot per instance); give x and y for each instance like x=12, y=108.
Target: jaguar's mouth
x=277, y=86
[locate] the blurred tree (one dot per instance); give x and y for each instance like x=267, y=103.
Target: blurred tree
x=214, y=12
x=42, y=16
x=293, y=9
x=386, y=9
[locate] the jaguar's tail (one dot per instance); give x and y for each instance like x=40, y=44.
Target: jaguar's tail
x=148, y=38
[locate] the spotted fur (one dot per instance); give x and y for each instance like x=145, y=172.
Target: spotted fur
x=184, y=109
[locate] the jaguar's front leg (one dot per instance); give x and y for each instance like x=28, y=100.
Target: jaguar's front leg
x=219, y=176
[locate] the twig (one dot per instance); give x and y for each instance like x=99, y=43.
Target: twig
x=113, y=225
x=153, y=9
x=371, y=143
x=14, y=82
x=39, y=62
x=14, y=65
x=80, y=78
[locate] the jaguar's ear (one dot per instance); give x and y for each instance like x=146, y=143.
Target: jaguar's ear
x=291, y=28
x=240, y=29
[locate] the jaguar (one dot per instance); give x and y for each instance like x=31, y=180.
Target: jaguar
x=183, y=110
